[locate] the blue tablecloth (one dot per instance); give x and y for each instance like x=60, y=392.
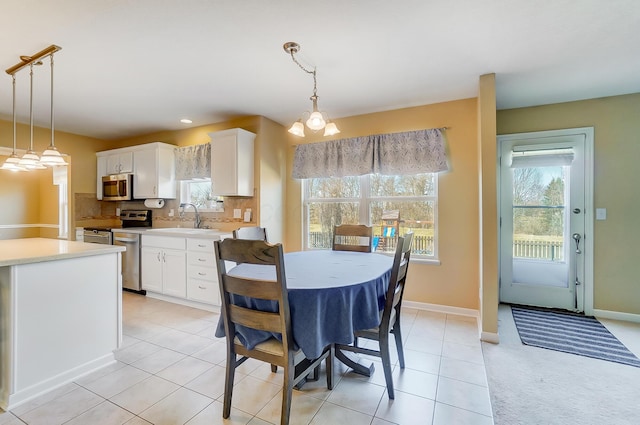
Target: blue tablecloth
x=331, y=295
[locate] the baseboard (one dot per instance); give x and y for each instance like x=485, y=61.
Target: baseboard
x=189, y=303
x=617, y=315
x=490, y=337
x=441, y=308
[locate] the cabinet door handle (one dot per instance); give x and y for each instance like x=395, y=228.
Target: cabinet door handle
x=202, y=259
x=164, y=259
x=201, y=246
x=202, y=287
x=158, y=256
x=202, y=274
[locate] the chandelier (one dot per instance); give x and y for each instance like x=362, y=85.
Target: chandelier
x=316, y=120
x=30, y=160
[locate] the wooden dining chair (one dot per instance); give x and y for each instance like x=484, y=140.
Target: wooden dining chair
x=275, y=351
x=390, y=318
x=252, y=232
x=352, y=237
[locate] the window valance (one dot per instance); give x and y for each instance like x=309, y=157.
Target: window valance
x=193, y=162
x=411, y=152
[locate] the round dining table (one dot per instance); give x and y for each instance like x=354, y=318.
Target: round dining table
x=332, y=294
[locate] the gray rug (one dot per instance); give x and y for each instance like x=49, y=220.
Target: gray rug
x=570, y=333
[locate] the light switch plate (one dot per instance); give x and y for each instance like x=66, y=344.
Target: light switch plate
x=237, y=213
x=601, y=213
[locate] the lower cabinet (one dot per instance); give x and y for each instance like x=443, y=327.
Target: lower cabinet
x=180, y=267
x=202, y=273
x=164, y=265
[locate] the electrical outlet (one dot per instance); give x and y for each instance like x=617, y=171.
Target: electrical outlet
x=237, y=213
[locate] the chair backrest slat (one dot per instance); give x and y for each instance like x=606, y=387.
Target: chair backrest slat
x=252, y=233
x=255, y=319
x=352, y=237
x=264, y=290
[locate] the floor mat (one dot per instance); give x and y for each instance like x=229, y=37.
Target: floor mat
x=571, y=333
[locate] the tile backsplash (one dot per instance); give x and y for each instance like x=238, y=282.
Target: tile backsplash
x=89, y=211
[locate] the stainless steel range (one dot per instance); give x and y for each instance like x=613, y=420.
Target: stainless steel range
x=129, y=236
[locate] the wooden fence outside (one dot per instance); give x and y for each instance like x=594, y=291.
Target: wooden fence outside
x=541, y=250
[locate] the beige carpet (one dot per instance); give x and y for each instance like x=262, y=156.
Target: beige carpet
x=530, y=385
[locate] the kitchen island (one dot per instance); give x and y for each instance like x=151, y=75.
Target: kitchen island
x=60, y=313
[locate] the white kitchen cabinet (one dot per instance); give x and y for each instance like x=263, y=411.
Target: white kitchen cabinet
x=232, y=162
x=202, y=273
x=101, y=172
x=164, y=265
x=120, y=163
x=154, y=172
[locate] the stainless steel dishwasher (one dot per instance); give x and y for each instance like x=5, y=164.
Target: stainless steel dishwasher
x=130, y=259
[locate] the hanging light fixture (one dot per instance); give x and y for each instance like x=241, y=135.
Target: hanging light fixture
x=316, y=120
x=13, y=162
x=51, y=156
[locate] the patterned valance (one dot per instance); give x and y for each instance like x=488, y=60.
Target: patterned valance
x=193, y=162
x=411, y=152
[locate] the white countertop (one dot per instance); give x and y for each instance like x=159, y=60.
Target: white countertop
x=178, y=232
x=35, y=250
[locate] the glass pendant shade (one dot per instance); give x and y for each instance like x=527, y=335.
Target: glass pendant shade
x=297, y=129
x=331, y=129
x=29, y=159
x=316, y=121
x=12, y=163
x=52, y=156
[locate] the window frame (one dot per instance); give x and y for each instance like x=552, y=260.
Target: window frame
x=364, y=201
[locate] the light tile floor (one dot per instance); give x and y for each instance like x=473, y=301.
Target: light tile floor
x=170, y=370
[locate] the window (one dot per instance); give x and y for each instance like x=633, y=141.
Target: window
x=351, y=200
x=198, y=192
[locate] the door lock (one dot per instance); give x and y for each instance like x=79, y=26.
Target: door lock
x=576, y=210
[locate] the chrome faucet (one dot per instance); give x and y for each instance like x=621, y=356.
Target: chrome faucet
x=196, y=223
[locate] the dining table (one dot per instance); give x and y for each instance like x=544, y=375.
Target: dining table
x=332, y=294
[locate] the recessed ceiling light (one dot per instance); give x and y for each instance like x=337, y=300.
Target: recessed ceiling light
x=186, y=121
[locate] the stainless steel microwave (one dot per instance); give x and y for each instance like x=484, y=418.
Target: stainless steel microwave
x=117, y=187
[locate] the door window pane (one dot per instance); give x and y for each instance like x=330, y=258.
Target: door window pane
x=539, y=199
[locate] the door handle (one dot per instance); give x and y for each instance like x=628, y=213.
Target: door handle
x=576, y=237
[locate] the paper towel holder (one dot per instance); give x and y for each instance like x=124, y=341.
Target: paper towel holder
x=154, y=203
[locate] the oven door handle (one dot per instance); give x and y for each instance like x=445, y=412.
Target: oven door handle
x=126, y=240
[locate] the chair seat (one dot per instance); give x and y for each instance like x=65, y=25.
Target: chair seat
x=375, y=331
x=274, y=347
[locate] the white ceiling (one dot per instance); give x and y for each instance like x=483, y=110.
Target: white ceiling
x=131, y=67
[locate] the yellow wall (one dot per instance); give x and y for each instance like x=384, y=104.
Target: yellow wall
x=455, y=281
x=38, y=209
x=616, y=152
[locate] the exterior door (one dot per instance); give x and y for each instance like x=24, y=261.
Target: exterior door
x=543, y=216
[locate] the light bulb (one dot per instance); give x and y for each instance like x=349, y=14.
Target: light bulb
x=316, y=121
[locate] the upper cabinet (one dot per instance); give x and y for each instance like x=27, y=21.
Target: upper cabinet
x=120, y=163
x=154, y=172
x=232, y=162
x=152, y=166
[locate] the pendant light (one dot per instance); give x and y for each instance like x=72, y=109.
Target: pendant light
x=316, y=120
x=51, y=156
x=13, y=162
x=31, y=160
